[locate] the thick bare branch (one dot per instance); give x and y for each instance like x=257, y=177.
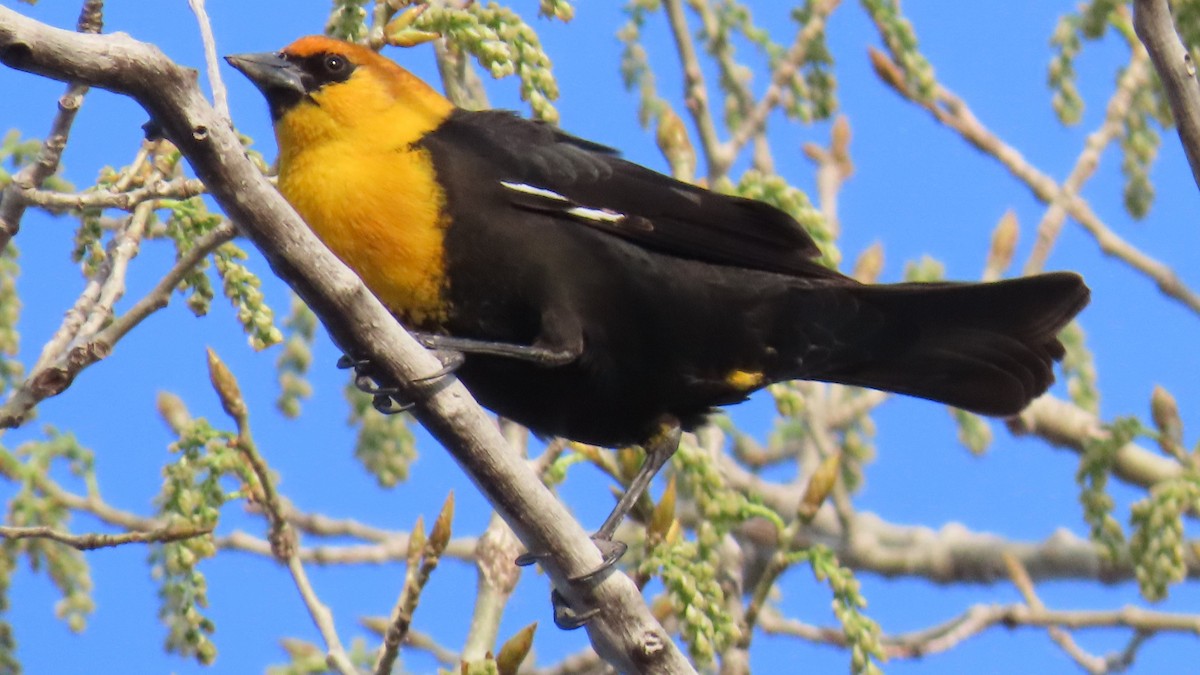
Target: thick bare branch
x=1155, y=28
x=978, y=618
x=625, y=632
x=951, y=554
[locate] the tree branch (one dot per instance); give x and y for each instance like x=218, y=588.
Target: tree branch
x=625, y=632
x=1155, y=28
x=978, y=618
x=12, y=206
x=1135, y=77
x=951, y=554
x=696, y=92
x=1067, y=426
x=953, y=112
x=95, y=540
x=756, y=122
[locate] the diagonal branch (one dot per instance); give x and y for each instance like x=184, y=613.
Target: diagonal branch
x=696, y=92
x=1135, y=77
x=1154, y=27
x=952, y=111
x=624, y=632
x=785, y=70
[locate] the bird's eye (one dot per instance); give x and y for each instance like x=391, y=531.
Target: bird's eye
x=335, y=64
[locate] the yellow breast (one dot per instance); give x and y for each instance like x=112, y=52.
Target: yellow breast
x=372, y=198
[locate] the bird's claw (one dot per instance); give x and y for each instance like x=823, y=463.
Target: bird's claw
x=610, y=550
x=386, y=399
x=565, y=617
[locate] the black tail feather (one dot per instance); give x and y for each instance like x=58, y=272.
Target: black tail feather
x=988, y=348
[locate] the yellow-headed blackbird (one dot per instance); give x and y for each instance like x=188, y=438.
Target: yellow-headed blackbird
x=594, y=298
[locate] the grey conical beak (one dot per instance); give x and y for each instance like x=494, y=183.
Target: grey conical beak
x=270, y=72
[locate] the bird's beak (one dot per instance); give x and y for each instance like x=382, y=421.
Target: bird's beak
x=270, y=72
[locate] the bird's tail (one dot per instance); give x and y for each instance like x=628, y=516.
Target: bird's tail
x=986, y=347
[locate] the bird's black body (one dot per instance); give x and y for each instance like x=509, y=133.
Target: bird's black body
x=598, y=300
x=677, y=299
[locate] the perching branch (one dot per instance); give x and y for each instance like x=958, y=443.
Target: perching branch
x=625, y=632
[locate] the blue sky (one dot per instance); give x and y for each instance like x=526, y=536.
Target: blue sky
x=917, y=188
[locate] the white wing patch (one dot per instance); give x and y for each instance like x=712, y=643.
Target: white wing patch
x=561, y=204
x=534, y=190
x=601, y=215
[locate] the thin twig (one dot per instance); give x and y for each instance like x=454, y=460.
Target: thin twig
x=953, y=112
x=220, y=99
x=1020, y=579
x=498, y=578
x=95, y=540
x=62, y=366
x=785, y=70
x=732, y=81
x=696, y=92
x=948, y=555
x=282, y=536
x=834, y=167
x=124, y=247
x=127, y=200
x=160, y=295
x=12, y=206
x=423, y=557
x=336, y=656
x=1135, y=76
x=1065, y=425
x=425, y=642
x=978, y=618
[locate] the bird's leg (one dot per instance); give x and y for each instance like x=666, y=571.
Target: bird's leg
x=544, y=356
x=450, y=351
x=659, y=449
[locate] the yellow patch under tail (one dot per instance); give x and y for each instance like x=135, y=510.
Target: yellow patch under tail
x=744, y=380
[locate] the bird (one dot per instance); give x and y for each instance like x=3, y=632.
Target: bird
x=595, y=299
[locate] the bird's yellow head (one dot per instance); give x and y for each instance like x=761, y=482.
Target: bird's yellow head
x=319, y=88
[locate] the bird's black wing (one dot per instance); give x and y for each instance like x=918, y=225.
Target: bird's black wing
x=545, y=170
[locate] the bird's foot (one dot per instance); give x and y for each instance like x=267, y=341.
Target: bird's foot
x=565, y=616
x=387, y=399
